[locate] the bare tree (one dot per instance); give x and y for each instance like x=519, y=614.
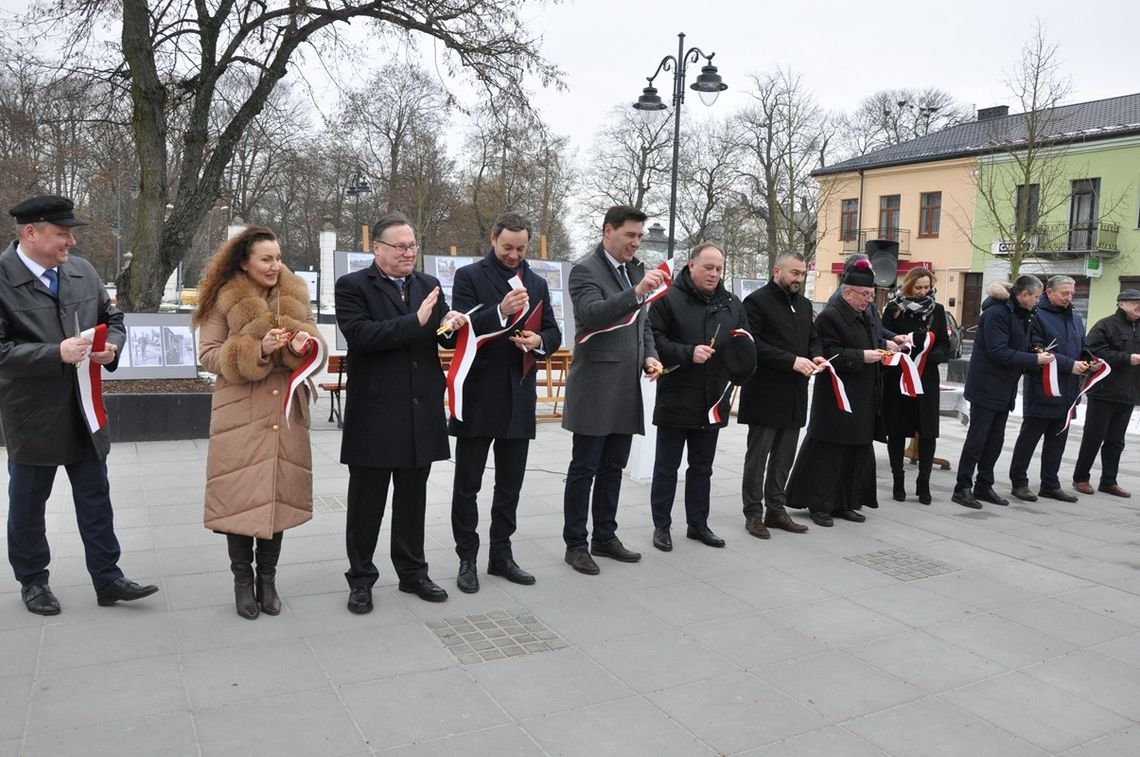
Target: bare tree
x=893, y=116
x=707, y=181
x=629, y=164
x=175, y=55
x=783, y=136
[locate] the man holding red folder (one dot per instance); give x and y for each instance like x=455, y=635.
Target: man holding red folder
x=497, y=393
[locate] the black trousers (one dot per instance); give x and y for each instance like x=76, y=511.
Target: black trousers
x=29, y=487
x=773, y=449
x=982, y=447
x=367, y=496
x=596, y=462
x=1105, y=426
x=1048, y=432
x=470, y=462
x=671, y=443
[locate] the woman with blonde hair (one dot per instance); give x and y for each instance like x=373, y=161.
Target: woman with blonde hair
x=912, y=310
x=258, y=336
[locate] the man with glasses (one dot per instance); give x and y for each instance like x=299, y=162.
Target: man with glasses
x=392, y=317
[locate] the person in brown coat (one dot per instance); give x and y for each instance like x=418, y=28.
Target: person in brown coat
x=256, y=330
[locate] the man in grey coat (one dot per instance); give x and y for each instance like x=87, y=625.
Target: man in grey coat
x=49, y=300
x=603, y=392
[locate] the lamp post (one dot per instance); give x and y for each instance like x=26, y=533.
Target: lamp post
x=358, y=186
x=708, y=85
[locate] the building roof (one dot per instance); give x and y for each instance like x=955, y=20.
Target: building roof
x=1081, y=122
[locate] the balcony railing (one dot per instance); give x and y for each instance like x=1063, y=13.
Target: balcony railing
x=858, y=242
x=1093, y=238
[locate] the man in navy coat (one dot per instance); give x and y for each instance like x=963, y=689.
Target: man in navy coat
x=498, y=394
x=394, y=427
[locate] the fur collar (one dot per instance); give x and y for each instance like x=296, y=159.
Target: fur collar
x=247, y=312
x=999, y=290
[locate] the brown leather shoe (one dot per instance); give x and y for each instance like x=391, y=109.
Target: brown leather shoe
x=784, y=522
x=756, y=527
x=615, y=550
x=1114, y=490
x=580, y=560
x=1084, y=487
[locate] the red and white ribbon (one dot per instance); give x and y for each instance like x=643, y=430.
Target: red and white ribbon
x=466, y=348
x=1100, y=373
x=837, y=385
x=629, y=320
x=714, y=411
x=1049, y=380
x=742, y=332
x=90, y=375
x=313, y=354
x=910, y=380
x=923, y=354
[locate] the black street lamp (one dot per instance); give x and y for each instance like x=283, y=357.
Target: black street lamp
x=358, y=186
x=708, y=85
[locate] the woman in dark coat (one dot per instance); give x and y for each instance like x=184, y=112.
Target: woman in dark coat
x=913, y=311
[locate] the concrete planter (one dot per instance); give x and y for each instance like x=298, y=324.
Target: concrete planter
x=158, y=417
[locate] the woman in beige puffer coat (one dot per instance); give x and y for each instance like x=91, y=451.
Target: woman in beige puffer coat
x=255, y=327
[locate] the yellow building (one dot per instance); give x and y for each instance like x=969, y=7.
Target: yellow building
x=928, y=207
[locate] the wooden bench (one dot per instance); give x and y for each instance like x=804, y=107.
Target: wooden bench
x=338, y=364
x=550, y=381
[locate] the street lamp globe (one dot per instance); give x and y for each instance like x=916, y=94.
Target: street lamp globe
x=708, y=85
x=649, y=105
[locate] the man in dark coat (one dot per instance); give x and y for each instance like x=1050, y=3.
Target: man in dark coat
x=834, y=474
x=1116, y=340
x=394, y=426
x=701, y=333
x=1043, y=416
x=44, y=293
x=603, y=392
x=1000, y=356
x=499, y=396
x=774, y=402
x=872, y=312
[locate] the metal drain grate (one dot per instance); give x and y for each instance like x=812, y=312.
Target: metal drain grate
x=494, y=636
x=902, y=564
x=330, y=503
x=1127, y=523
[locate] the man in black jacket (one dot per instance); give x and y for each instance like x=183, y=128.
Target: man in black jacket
x=1116, y=340
x=774, y=402
x=498, y=394
x=700, y=332
x=46, y=296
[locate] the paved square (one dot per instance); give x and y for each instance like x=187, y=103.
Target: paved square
x=926, y=630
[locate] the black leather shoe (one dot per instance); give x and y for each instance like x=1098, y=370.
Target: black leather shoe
x=424, y=588
x=580, y=560
x=360, y=600
x=705, y=535
x=123, y=590
x=1023, y=493
x=822, y=519
x=510, y=570
x=966, y=498
x=852, y=515
x=1058, y=494
x=468, y=579
x=987, y=494
x=39, y=599
x=615, y=550
x=662, y=539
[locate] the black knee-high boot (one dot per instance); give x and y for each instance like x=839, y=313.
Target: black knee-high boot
x=925, y=464
x=895, y=445
x=241, y=563
x=268, y=551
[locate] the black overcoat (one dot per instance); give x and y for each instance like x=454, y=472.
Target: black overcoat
x=681, y=320
x=40, y=405
x=1001, y=352
x=1116, y=339
x=498, y=400
x=393, y=408
x=902, y=415
x=846, y=334
x=782, y=324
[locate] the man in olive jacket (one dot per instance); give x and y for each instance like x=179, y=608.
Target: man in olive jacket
x=44, y=292
x=774, y=402
x=1116, y=340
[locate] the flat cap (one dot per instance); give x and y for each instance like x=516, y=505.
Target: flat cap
x=49, y=208
x=1128, y=295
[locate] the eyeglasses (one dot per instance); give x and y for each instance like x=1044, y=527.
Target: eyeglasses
x=866, y=295
x=401, y=248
